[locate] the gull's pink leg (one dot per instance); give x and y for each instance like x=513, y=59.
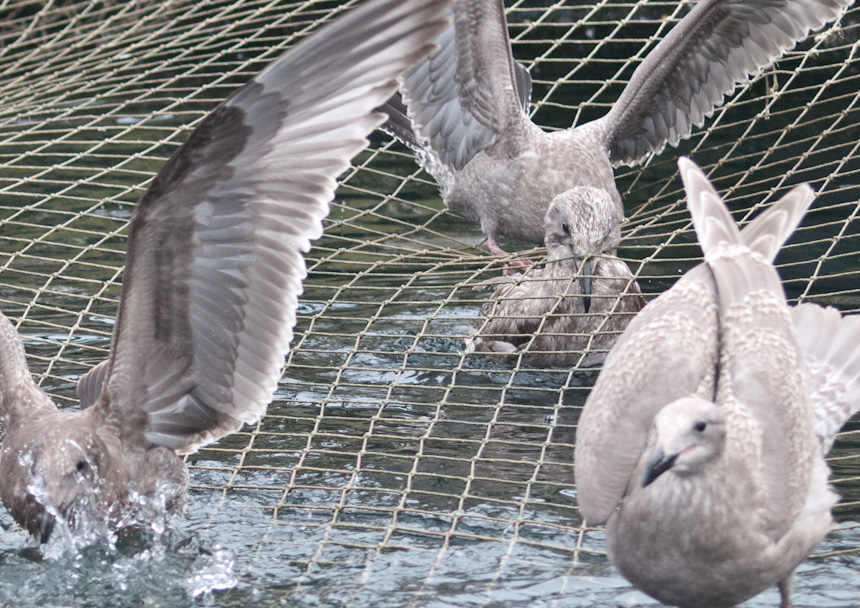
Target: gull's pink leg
x=494, y=248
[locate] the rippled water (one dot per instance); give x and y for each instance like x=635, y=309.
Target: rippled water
x=391, y=469
x=205, y=559
x=432, y=515
x=287, y=515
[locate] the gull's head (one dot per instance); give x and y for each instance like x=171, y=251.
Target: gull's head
x=54, y=469
x=580, y=223
x=687, y=435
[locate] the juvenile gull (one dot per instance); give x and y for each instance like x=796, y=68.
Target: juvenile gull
x=704, y=438
x=496, y=167
x=213, y=273
x=582, y=299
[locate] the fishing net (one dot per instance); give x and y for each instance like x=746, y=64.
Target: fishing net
x=388, y=447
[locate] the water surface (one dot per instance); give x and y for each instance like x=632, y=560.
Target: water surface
x=391, y=469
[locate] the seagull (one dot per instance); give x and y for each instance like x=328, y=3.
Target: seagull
x=703, y=441
x=213, y=271
x=464, y=109
x=581, y=300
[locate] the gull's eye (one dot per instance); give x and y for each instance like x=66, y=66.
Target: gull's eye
x=82, y=464
x=700, y=426
x=566, y=228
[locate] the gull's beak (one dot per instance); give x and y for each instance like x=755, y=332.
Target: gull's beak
x=46, y=526
x=659, y=464
x=63, y=497
x=586, y=270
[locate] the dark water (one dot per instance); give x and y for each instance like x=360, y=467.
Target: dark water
x=391, y=469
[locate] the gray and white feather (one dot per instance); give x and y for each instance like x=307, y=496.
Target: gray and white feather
x=213, y=272
x=571, y=311
x=467, y=107
x=704, y=438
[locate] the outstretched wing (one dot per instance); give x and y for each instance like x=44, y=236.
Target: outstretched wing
x=716, y=46
x=400, y=125
x=469, y=91
x=215, y=264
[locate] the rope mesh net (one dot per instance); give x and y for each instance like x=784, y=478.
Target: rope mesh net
x=384, y=434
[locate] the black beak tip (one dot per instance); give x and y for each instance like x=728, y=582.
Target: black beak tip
x=46, y=527
x=658, y=465
x=586, y=270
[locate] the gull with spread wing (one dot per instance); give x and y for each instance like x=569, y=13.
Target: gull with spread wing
x=465, y=107
x=213, y=272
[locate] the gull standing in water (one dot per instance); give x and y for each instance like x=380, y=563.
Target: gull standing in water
x=703, y=441
x=213, y=272
x=581, y=300
x=471, y=132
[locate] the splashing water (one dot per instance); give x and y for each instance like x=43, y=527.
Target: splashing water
x=213, y=572
x=88, y=520
x=131, y=566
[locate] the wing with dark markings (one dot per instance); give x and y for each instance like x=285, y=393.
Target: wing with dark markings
x=215, y=264
x=470, y=90
x=716, y=46
x=400, y=126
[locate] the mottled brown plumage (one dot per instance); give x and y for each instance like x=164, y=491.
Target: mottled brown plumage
x=213, y=272
x=571, y=311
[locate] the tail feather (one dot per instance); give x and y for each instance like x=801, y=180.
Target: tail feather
x=769, y=231
x=830, y=346
x=714, y=225
x=737, y=270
